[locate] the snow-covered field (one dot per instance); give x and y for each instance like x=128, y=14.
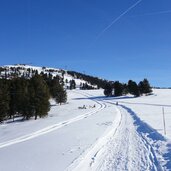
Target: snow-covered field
x=128, y=136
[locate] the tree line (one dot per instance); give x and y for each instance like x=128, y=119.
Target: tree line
x=100, y=83
x=21, y=71
x=21, y=97
x=118, y=89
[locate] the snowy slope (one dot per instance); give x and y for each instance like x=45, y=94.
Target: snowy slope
x=56, y=141
x=107, y=137
x=23, y=69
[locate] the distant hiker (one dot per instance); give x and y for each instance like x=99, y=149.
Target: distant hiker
x=116, y=103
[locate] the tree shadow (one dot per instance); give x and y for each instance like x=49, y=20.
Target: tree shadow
x=167, y=157
x=144, y=129
x=104, y=98
x=16, y=120
x=101, y=98
x=148, y=104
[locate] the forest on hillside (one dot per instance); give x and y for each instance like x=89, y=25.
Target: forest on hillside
x=26, y=98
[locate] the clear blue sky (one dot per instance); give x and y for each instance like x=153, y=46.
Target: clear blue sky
x=69, y=34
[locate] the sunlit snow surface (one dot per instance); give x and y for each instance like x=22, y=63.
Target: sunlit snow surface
x=129, y=136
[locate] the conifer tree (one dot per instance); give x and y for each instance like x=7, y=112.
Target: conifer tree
x=145, y=87
x=108, y=89
x=41, y=104
x=141, y=87
x=54, y=87
x=125, y=89
x=13, y=99
x=118, y=87
x=133, y=88
x=25, y=106
x=4, y=99
x=72, y=84
x=61, y=96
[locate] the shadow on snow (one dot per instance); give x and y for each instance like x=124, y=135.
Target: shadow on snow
x=144, y=128
x=101, y=98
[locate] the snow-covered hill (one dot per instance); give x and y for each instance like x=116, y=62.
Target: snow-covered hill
x=107, y=134
x=19, y=70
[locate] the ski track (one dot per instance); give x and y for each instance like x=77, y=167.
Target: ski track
x=89, y=156
x=128, y=150
x=124, y=147
x=55, y=126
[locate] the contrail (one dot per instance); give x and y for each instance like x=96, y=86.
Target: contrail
x=118, y=18
x=153, y=13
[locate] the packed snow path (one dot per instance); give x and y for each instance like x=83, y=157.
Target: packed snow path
x=122, y=149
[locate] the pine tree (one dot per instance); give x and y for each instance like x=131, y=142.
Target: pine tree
x=61, y=96
x=145, y=87
x=141, y=87
x=40, y=103
x=72, y=84
x=13, y=99
x=108, y=89
x=24, y=106
x=4, y=99
x=133, y=88
x=53, y=87
x=118, y=87
x=125, y=89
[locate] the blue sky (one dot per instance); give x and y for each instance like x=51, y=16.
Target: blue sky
x=69, y=34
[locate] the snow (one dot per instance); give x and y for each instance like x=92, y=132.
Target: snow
x=130, y=145
x=149, y=109
x=54, y=71
x=128, y=136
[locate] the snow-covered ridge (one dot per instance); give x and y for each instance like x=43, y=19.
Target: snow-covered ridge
x=27, y=71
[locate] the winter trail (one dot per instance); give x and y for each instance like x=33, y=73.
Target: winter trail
x=127, y=150
x=123, y=148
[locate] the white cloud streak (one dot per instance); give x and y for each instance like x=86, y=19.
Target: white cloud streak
x=117, y=19
x=153, y=13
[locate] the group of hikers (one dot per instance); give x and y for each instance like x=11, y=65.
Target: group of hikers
x=85, y=107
